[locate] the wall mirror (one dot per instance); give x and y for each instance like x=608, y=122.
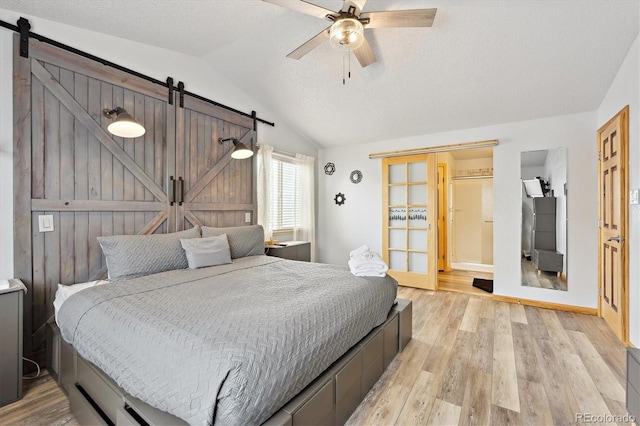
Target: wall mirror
x=544, y=218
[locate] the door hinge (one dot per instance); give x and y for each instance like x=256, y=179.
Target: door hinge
x=599, y=156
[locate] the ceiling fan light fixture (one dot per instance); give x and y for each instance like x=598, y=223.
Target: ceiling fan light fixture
x=346, y=33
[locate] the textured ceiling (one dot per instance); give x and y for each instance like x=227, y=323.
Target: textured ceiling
x=482, y=62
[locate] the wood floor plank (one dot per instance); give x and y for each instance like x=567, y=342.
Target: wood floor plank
x=517, y=313
x=527, y=365
x=536, y=326
x=556, y=332
x=454, y=376
x=444, y=413
x=471, y=315
x=568, y=321
x=584, y=389
x=476, y=406
x=386, y=408
x=534, y=406
x=562, y=402
x=482, y=354
x=604, y=379
x=420, y=401
x=504, y=387
x=502, y=318
x=487, y=311
x=606, y=343
x=501, y=416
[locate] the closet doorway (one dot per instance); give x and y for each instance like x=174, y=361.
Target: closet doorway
x=466, y=212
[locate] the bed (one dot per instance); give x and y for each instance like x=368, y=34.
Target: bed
x=228, y=344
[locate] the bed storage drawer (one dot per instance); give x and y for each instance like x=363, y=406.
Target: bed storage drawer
x=82, y=409
x=373, y=360
x=101, y=389
x=67, y=365
x=348, y=377
x=280, y=418
x=134, y=409
x=390, y=332
x=314, y=406
x=405, y=322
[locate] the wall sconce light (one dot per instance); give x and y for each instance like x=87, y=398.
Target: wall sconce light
x=240, y=151
x=124, y=124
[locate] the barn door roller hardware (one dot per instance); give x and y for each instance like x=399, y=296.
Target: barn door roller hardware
x=24, y=27
x=170, y=86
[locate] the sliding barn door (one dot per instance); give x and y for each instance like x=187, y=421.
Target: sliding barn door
x=409, y=219
x=213, y=189
x=70, y=168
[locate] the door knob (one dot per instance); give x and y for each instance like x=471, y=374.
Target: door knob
x=617, y=238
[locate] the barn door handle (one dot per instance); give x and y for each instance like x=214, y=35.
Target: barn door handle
x=172, y=190
x=181, y=198
x=617, y=238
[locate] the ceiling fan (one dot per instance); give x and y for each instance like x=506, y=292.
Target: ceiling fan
x=347, y=29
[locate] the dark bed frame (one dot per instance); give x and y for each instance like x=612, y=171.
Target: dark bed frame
x=95, y=399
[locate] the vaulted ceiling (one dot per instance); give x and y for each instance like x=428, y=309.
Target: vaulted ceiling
x=481, y=63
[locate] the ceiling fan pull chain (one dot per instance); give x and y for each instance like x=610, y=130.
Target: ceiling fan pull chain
x=343, y=79
x=348, y=53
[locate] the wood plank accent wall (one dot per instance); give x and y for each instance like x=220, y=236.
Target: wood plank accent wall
x=67, y=165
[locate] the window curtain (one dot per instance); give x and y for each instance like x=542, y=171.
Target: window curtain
x=305, y=188
x=265, y=157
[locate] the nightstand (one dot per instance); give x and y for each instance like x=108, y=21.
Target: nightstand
x=11, y=300
x=292, y=250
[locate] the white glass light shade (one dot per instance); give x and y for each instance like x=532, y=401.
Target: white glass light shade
x=347, y=33
x=125, y=126
x=240, y=152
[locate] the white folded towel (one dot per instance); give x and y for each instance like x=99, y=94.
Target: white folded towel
x=360, y=252
x=372, y=266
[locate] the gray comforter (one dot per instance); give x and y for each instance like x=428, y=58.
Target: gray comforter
x=229, y=344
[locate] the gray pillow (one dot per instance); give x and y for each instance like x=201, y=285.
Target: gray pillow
x=210, y=251
x=130, y=256
x=243, y=240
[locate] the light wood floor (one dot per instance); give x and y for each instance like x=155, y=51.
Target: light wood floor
x=531, y=278
x=472, y=361
x=461, y=282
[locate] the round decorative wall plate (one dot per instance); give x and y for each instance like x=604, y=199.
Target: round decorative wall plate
x=356, y=176
x=329, y=168
x=339, y=198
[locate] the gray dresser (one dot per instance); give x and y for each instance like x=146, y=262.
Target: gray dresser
x=11, y=343
x=543, y=236
x=543, y=228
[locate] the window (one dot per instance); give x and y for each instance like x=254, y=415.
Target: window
x=284, y=200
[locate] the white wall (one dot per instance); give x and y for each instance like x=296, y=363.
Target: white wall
x=6, y=156
x=359, y=220
x=196, y=73
x=625, y=90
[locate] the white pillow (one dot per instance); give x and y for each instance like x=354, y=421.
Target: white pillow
x=65, y=291
x=209, y=251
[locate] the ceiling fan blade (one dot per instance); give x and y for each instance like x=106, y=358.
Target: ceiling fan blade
x=364, y=54
x=359, y=4
x=400, y=18
x=304, y=7
x=310, y=45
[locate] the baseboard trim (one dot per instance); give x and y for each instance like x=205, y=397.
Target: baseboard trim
x=547, y=305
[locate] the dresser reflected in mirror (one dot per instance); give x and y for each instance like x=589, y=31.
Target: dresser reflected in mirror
x=544, y=219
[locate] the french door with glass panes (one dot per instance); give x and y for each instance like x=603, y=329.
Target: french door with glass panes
x=409, y=211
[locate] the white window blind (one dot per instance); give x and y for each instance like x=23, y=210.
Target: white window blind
x=285, y=206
